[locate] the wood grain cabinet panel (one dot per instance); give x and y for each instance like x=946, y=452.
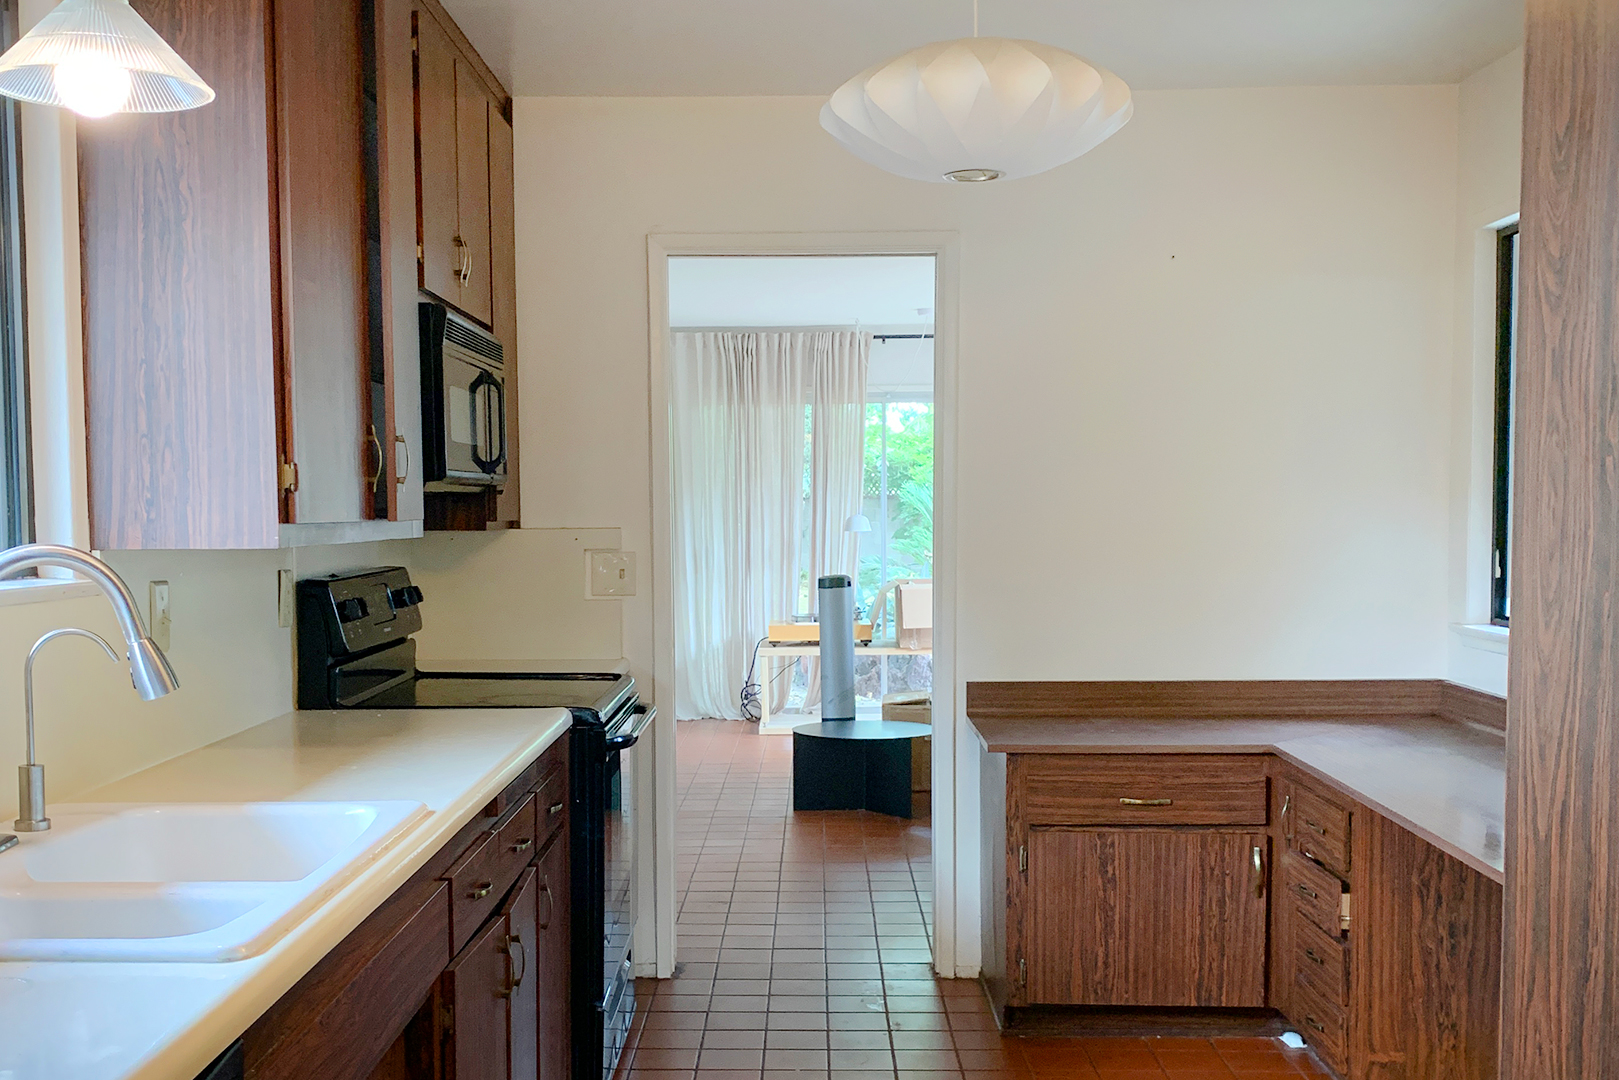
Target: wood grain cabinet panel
x=477, y=990
x=1145, y=917
x=522, y=914
x=472, y=192
x=503, y=269
x=1425, y=961
x=438, y=209
x=1149, y=789
x=553, y=959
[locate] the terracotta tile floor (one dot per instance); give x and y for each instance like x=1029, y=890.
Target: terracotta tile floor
x=804, y=953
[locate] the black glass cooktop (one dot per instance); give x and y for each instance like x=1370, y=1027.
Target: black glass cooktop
x=506, y=690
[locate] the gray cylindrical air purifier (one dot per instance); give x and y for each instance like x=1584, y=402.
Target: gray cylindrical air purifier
x=837, y=647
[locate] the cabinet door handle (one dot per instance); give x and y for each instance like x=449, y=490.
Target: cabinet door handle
x=555, y=809
x=1287, y=800
x=522, y=845
x=1313, y=1022
x=1259, y=871
x=550, y=905
x=1310, y=955
x=481, y=890
x=404, y=471
x=518, y=970
x=1314, y=826
x=1305, y=890
x=1146, y=802
x=374, y=479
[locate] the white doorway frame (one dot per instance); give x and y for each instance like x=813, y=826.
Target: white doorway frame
x=955, y=856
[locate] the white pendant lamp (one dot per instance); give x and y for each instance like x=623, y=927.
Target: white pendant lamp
x=977, y=109
x=99, y=57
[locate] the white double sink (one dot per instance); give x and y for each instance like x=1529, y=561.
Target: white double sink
x=184, y=882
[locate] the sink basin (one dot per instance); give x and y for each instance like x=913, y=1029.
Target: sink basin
x=251, y=842
x=184, y=882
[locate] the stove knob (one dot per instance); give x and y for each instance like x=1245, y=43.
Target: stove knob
x=405, y=596
x=351, y=610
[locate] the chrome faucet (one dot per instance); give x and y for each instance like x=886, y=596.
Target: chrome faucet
x=31, y=776
x=149, y=669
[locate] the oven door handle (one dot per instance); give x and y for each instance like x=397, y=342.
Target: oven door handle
x=647, y=713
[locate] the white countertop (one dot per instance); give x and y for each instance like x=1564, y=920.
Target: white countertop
x=99, y=1021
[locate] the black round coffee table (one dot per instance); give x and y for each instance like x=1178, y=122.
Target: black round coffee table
x=855, y=765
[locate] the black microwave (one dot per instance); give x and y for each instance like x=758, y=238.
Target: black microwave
x=463, y=403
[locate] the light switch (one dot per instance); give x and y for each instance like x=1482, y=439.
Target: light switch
x=609, y=574
x=158, y=622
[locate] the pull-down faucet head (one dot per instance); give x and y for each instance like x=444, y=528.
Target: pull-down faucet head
x=149, y=669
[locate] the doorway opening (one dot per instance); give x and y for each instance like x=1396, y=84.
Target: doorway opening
x=795, y=414
x=801, y=428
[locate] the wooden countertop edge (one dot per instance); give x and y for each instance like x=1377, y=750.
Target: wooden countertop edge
x=1494, y=872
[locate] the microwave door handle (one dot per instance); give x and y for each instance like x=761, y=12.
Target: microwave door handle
x=479, y=432
x=499, y=386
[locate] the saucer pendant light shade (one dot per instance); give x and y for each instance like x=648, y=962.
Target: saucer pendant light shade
x=977, y=109
x=98, y=57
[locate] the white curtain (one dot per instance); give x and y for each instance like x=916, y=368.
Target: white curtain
x=748, y=413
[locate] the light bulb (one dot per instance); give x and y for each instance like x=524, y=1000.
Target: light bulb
x=92, y=85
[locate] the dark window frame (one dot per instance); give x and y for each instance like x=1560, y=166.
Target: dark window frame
x=1506, y=297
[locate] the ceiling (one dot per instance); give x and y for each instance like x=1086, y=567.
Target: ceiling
x=829, y=290
x=741, y=47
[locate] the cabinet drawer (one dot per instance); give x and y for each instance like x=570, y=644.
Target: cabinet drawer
x=1148, y=789
x=481, y=877
x=1321, y=960
x=551, y=804
x=1314, y=893
x=1321, y=1022
x=1320, y=829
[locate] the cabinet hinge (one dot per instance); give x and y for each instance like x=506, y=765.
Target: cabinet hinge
x=420, y=254
x=1023, y=858
x=446, y=1016
x=288, y=476
x=415, y=44
x=1022, y=972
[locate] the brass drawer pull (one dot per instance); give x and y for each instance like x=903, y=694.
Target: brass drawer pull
x=1311, y=954
x=481, y=890
x=1315, y=1024
x=1147, y=802
x=523, y=845
x=555, y=809
x=1314, y=826
x=1259, y=872
x=1305, y=890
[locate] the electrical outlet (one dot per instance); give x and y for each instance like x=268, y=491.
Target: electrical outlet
x=158, y=620
x=285, y=598
x=609, y=574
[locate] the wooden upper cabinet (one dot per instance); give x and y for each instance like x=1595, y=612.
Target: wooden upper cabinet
x=472, y=192
x=453, y=110
x=438, y=208
x=1154, y=917
x=226, y=289
x=503, y=271
x=321, y=173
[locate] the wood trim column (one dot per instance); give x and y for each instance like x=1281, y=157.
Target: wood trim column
x=1560, y=1000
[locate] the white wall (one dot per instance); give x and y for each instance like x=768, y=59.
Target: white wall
x=1205, y=370
x=1491, y=125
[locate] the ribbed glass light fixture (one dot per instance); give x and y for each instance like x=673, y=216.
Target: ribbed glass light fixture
x=977, y=109
x=99, y=57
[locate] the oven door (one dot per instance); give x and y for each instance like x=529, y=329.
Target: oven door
x=618, y=986
x=474, y=423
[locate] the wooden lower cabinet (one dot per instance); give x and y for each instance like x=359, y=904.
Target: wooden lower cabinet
x=1164, y=917
x=419, y=992
x=1380, y=949
x=477, y=994
x=553, y=960
x=1425, y=969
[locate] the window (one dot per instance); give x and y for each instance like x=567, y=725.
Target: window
x=1506, y=346
x=16, y=499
